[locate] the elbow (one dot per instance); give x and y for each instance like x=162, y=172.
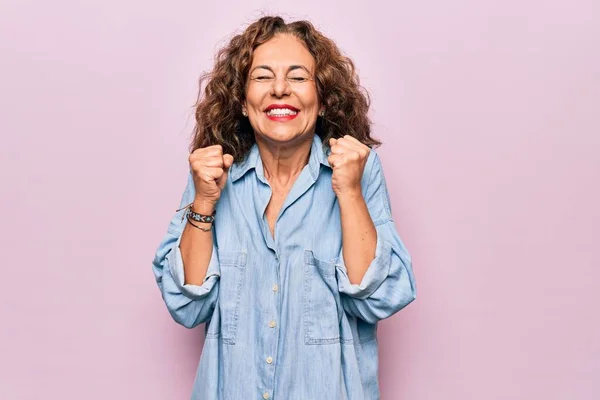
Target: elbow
x=404, y=300
x=404, y=291
x=377, y=310
x=188, y=324
x=183, y=318
x=403, y=297
x=186, y=311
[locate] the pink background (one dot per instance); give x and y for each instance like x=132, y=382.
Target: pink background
x=490, y=116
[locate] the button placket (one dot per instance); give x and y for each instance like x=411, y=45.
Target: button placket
x=272, y=324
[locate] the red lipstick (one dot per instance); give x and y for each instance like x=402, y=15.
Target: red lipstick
x=282, y=118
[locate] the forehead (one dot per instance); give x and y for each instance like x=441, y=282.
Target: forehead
x=282, y=51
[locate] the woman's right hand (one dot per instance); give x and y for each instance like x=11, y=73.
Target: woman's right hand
x=210, y=168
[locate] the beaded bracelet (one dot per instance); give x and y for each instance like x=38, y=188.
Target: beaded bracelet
x=196, y=226
x=199, y=217
x=190, y=214
x=195, y=216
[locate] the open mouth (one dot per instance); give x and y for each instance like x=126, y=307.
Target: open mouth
x=282, y=112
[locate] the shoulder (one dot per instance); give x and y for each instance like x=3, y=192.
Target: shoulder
x=375, y=189
x=373, y=169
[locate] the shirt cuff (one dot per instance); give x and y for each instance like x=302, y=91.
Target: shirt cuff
x=377, y=272
x=195, y=292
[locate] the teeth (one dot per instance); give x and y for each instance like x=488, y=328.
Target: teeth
x=281, y=112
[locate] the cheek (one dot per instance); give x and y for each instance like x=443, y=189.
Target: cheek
x=253, y=98
x=309, y=97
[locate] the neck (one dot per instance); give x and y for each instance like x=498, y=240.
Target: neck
x=282, y=163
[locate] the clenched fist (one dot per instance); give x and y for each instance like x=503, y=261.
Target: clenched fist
x=210, y=168
x=348, y=159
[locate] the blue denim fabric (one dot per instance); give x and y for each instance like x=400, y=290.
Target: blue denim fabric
x=282, y=319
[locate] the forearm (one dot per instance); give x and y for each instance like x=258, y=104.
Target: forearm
x=359, y=236
x=196, y=246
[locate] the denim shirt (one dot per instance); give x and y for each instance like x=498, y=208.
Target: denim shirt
x=282, y=319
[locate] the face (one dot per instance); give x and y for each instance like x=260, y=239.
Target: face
x=281, y=94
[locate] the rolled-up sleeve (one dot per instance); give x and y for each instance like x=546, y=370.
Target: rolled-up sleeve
x=388, y=284
x=189, y=305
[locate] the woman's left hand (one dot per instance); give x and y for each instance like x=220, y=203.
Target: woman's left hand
x=348, y=159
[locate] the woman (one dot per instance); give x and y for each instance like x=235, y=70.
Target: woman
x=285, y=244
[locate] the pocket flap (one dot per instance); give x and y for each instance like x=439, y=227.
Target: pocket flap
x=232, y=258
x=324, y=267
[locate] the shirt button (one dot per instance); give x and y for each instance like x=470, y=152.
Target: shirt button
x=269, y=360
x=265, y=395
x=275, y=288
x=272, y=324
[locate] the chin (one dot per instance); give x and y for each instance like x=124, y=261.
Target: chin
x=282, y=137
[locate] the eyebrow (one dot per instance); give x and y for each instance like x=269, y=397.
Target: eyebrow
x=291, y=68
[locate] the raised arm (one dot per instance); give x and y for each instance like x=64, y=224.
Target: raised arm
x=386, y=283
x=186, y=264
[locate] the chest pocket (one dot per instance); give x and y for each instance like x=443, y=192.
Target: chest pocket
x=231, y=283
x=322, y=308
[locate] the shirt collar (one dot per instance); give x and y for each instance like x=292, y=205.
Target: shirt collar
x=318, y=156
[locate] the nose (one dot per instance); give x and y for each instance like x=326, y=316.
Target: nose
x=280, y=87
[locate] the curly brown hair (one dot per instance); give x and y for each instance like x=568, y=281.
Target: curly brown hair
x=218, y=112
